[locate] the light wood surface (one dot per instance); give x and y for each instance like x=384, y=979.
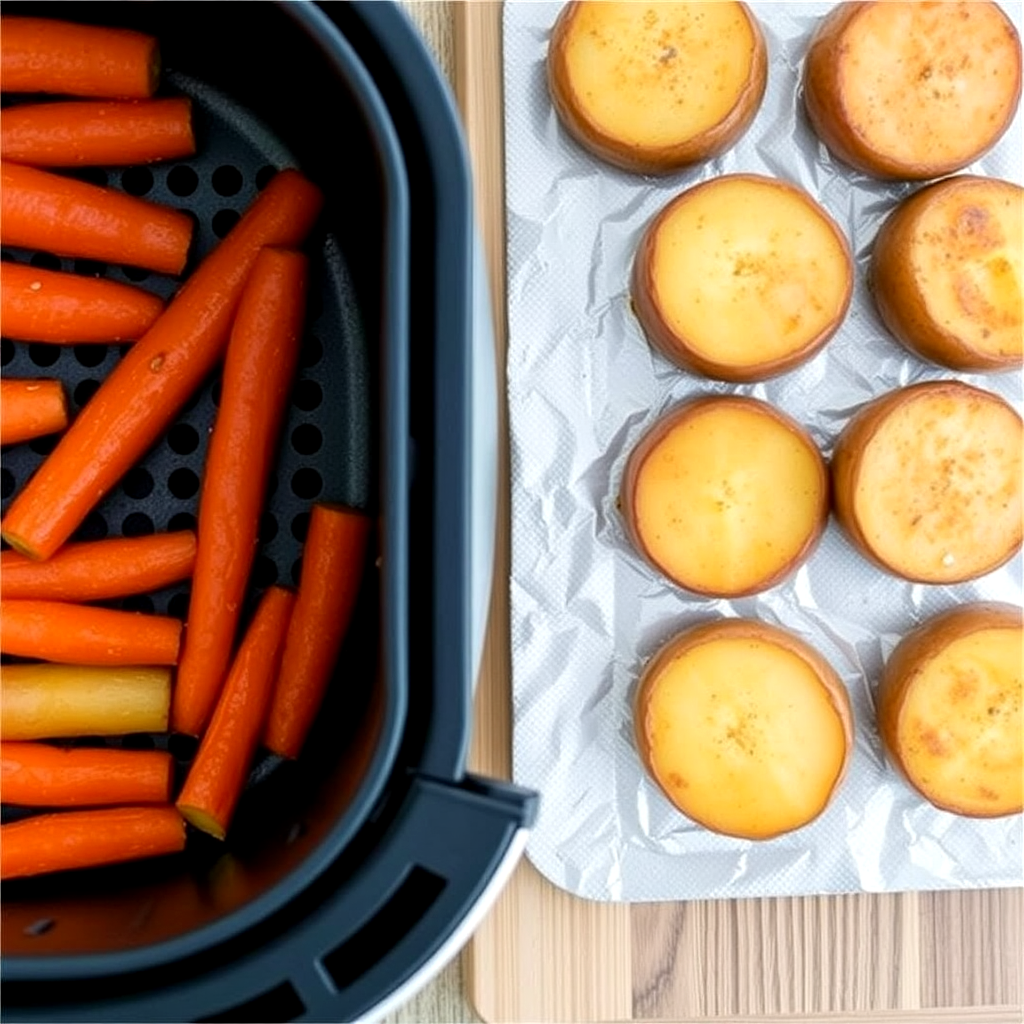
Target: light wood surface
x=544, y=956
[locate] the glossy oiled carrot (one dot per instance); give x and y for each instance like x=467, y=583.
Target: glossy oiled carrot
x=79, y=634
x=219, y=770
x=45, y=55
x=92, y=133
x=38, y=775
x=40, y=210
x=154, y=380
x=100, y=569
x=85, y=839
x=42, y=701
x=31, y=408
x=332, y=569
x=67, y=309
x=258, y=370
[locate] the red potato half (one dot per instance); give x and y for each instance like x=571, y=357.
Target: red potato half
x=742, y=278
x=947, y=273
x=725, y=495
x=653, y=87
x=912, y=90
x=927, y=482
x=746, y=728
x=949, y=710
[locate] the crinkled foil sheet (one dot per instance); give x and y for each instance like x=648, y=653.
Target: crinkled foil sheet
x=587, y=613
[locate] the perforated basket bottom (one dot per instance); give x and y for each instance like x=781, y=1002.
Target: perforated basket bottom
x=326, y=446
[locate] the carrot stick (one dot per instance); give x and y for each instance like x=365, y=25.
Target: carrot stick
x=90, y=133
x=79, y=634
x=258, y=370
x=154, y=380
x=66, y=309
x=85, y=839
x=31, y=408
x=40, y=210
x=100, y=569
x=38, y=775
x=219, y=770
x=43, y=55
x=332, y=564
x=42, y=701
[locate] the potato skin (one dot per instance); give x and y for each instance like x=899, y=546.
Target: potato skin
x=651, y=160
x=912, y=653
x=847, y=457
x=661, y=336
x=654, y=436
x=900, y=301
x=742, y=629
x=823, y=101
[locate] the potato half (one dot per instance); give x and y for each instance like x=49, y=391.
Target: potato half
x=746, y=728
x=927, y=481
x=725, y=496
x=947, y=273
x=652, y=87
x=949, y=710
x=742, y=278
x=912, y=90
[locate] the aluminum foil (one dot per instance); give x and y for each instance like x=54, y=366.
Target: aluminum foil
x=587, y=612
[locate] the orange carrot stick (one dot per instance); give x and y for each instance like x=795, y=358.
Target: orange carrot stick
x=43, y=55
x=38, y=775
x=78, y=634
x=66, y=309
x=100, y=569
x=154, y=380
x=91, y=133
x=218, y=772
x=258, y=370
x=40, y=210
x=332, y=567
x=85, y=839
x=31, y=408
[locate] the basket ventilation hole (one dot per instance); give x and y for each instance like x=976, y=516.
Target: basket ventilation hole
x=138, y=483
x=137, y=181
x=300, y=527
x=227, y=180
x=182, y=521
x=263, y=176
x=7, y=351
x=183, y=439
x=136, y=274
x=90, y=268
x=307, y=439
x=138, y=741
x=312, y=350
x=405, y=908
x=178, y=607
x=306, y=483
x=94, y=527
x=281, y=1003
x=45, y=261
x=137, y=524
x=297, y=570
x=183, y=482
x=43, y=355
x=308, y=395
x=265, y=572
x=224, y=221
x=7, y=482
x=93, y=175
x=182, y=748
x=182, y=180
x=90, y=355
x=139, y=603
x=84, y=390
x=44, y=445
x=40, y=927
x=268, y=527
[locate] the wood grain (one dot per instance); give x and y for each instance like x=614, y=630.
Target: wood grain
x=544, y=956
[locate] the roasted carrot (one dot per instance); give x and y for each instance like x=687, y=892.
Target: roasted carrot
x=100, y=569
x=90, y=133
x=43, y=701
x=85, y=839
x=332, y=568
x=79, y=634
x=258, y=370
x=31, y=408
x=44, y=55
x=38, y=775
x=40, y=210
x=218, y=772
x=155, y=379
x=67, y=309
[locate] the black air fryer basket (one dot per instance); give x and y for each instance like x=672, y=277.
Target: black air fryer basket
x=355, y=871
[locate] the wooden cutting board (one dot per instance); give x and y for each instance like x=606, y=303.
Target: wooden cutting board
x=545, y=956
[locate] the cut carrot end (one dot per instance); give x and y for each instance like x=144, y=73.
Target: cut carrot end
x=22, y=546
x=200, y=819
